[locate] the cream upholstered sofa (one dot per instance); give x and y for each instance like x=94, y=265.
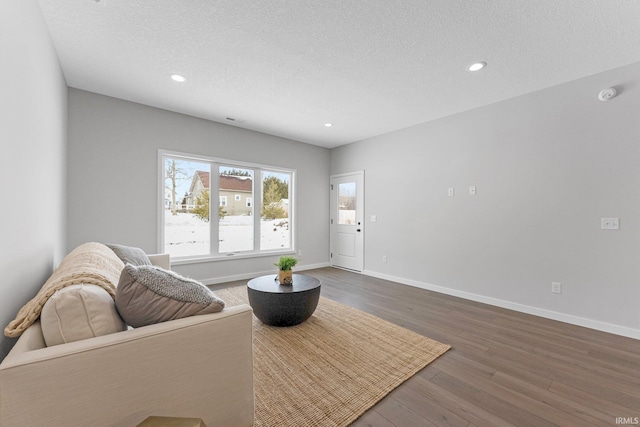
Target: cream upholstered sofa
x=194, y=367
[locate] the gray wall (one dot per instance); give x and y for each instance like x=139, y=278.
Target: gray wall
x=547, y=166
x=33, y=134
x=113, y=174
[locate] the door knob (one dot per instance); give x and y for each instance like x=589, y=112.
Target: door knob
x=358, y=230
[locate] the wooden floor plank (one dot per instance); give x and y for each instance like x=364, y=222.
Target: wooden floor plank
x=394, y=408
x=569, y=405
x=373, y=419
x=462, y=386
x=429, y=410
x=504, y=369
x=593, y=399
x=477, y=415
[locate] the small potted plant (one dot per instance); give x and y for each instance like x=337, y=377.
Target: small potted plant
x=285, y=264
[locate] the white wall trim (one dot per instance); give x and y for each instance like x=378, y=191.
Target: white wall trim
x=548, y=314
x=246, y=276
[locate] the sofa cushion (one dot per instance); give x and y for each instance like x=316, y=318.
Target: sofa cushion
x=79, y=312
x=149, y=294
x=130, y=255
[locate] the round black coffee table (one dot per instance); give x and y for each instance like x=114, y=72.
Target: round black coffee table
x=283, y=305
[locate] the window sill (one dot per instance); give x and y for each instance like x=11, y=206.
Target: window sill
x=227, y=257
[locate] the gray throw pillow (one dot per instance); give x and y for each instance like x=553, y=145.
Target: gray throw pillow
x=130, y=254
x=148, y=294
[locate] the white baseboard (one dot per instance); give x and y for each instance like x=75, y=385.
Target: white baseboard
x=247, y=276
x=548, y=314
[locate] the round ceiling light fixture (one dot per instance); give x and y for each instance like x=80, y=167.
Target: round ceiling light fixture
x=477, y=66
x=178, y=78
x=607, y=94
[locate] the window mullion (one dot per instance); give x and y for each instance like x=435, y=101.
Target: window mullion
x=257, y=206
x=214, y=206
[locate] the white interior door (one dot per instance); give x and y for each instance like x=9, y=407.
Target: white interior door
x=347, y=221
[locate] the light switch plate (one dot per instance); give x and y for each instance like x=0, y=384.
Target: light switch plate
x=472, y=190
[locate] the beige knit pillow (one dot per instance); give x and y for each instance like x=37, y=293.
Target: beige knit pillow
x=79, y=312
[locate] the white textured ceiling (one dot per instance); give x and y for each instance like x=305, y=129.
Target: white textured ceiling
x=286, y=67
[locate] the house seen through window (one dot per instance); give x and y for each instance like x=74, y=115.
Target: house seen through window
x=193, y=227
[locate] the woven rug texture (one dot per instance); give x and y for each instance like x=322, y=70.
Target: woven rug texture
x=330, y=369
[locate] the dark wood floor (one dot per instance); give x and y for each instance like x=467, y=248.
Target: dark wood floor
x=504, y=369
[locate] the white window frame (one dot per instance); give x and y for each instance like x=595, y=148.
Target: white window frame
x=223, y=201
x=237, y=197
x=215, y=163
x=249, y=202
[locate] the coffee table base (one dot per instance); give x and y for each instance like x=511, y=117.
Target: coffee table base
x=276, y=308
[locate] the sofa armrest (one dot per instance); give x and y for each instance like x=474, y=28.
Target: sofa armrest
x=161, y=260
x=196, y=367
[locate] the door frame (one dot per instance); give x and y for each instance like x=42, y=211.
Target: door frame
x=360, y=216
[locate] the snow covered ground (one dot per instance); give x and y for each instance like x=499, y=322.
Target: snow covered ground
x=186, y=234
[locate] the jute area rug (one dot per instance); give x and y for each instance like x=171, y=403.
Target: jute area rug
x=330, y=369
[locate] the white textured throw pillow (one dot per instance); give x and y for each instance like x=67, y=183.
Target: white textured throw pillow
x=148, y=294
x=79, y=312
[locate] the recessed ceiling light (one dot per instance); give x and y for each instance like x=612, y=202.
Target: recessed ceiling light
x=477, y=66
x=328, y=125
x=178, y=78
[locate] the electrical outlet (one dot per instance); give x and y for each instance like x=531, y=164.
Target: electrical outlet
x=610, y=223
x=451, y=191
x=374, y=218
x=299, y=252
x=384, y=259
x=556, y=287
